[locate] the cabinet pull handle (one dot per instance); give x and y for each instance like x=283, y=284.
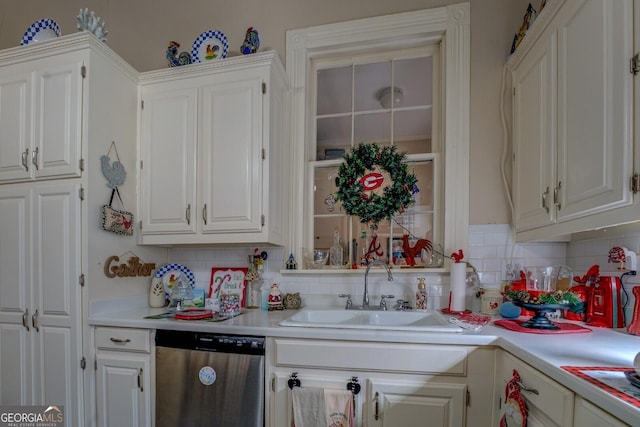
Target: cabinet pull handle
x=204, y=214
x=545, y=196
x=525, y=388
x=140, y=380
x=25, y=156
x=34, y=157
x=25, y=317
x=556, y=200
x=188, y=214
x=377, y=414
x=120, y=340
x=34, y=321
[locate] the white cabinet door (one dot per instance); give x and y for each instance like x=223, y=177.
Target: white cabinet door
x=15, y=297
x=589, y=415
x=231, y=154
x=573, y=119
x=40, y=297
x=57, y=135
x=123, y=389
x=41, y=119
x=406, y=403
x=15, y=122
x=595, y=107
x=169, y=165
x=534, y=136
x=56, y=324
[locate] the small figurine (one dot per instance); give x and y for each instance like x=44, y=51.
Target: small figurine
x=275, y=298
x=251, y=42
x=174, y=59
x=292, y=301
x=291, y=263
x=88, y=21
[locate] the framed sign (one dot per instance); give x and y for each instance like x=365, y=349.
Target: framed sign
x=228, y=281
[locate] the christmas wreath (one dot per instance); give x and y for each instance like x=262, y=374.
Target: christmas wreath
x=363, y=188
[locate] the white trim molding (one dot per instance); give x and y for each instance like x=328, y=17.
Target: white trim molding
x=448, y=26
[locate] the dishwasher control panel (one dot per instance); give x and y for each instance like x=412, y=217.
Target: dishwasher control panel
x=230, y=343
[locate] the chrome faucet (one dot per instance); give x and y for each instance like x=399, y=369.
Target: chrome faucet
x=365, y=297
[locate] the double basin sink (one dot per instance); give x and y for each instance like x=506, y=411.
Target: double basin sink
x=429, y=321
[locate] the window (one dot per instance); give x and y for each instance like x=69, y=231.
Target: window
x=363, y=73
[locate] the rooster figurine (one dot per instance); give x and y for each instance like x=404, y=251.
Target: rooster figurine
x=251, y=42
x=411, y=252
x=174, y=59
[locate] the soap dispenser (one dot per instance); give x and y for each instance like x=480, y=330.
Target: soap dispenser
x=421, y=295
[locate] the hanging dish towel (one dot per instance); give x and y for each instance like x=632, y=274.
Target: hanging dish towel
x=318, y=407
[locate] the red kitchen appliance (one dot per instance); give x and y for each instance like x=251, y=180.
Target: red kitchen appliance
x=604, y=308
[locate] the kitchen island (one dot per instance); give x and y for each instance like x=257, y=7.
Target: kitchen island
x=545, y=353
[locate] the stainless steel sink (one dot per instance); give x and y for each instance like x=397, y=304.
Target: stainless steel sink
x=430, y=321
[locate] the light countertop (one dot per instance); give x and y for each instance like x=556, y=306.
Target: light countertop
x=547, y=353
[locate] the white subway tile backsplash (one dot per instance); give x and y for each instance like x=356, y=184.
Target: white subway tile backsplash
x=491, y=248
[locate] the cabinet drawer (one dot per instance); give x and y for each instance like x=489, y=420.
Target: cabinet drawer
x=552, y=400
x=410, y=358
x=128, y=339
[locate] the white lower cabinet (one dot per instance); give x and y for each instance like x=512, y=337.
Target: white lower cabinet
x=401, y=384
x=40, y=297
x=548, y=402
x=124, y=372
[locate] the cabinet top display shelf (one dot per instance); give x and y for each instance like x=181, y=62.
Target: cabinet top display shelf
x=60, y=45
x=204, y=69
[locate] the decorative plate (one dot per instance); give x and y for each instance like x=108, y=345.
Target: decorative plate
x=42, y=29
x=209, y=45
x=168, y=270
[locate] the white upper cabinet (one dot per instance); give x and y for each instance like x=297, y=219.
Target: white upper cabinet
x=40, y=118
x=573, y=118
x=214, y=153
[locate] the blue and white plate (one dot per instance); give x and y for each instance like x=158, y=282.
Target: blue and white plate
x=208, y=46
x=166, y=271
x=42, y=29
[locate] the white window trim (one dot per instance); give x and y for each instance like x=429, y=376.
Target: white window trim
x=449, y=25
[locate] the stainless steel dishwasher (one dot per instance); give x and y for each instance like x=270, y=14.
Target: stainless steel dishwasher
x=205, y=379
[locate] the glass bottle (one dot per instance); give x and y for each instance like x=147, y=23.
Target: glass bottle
x=421, y=295
x=336, y=251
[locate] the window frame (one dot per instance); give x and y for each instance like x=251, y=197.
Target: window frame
x=449, y=26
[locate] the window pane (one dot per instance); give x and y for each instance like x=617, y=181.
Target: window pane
x=414, y=77
x=334, y=91
x=324, y=201
x=369, y=79
x=323, y=232
x=423, y=196
x=333, y=136
x=374, y=127
x=412, y=131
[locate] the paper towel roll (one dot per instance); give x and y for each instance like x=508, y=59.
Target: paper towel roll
x=457, y=285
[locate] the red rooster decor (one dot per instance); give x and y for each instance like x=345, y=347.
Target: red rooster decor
x=411, y=252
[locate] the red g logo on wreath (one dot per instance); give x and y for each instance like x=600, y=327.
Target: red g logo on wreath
x=371, y=181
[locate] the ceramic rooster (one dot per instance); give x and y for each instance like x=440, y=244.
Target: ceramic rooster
x=251, y=42
x=411, y=252
x=457, y=256
x=174, y=59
